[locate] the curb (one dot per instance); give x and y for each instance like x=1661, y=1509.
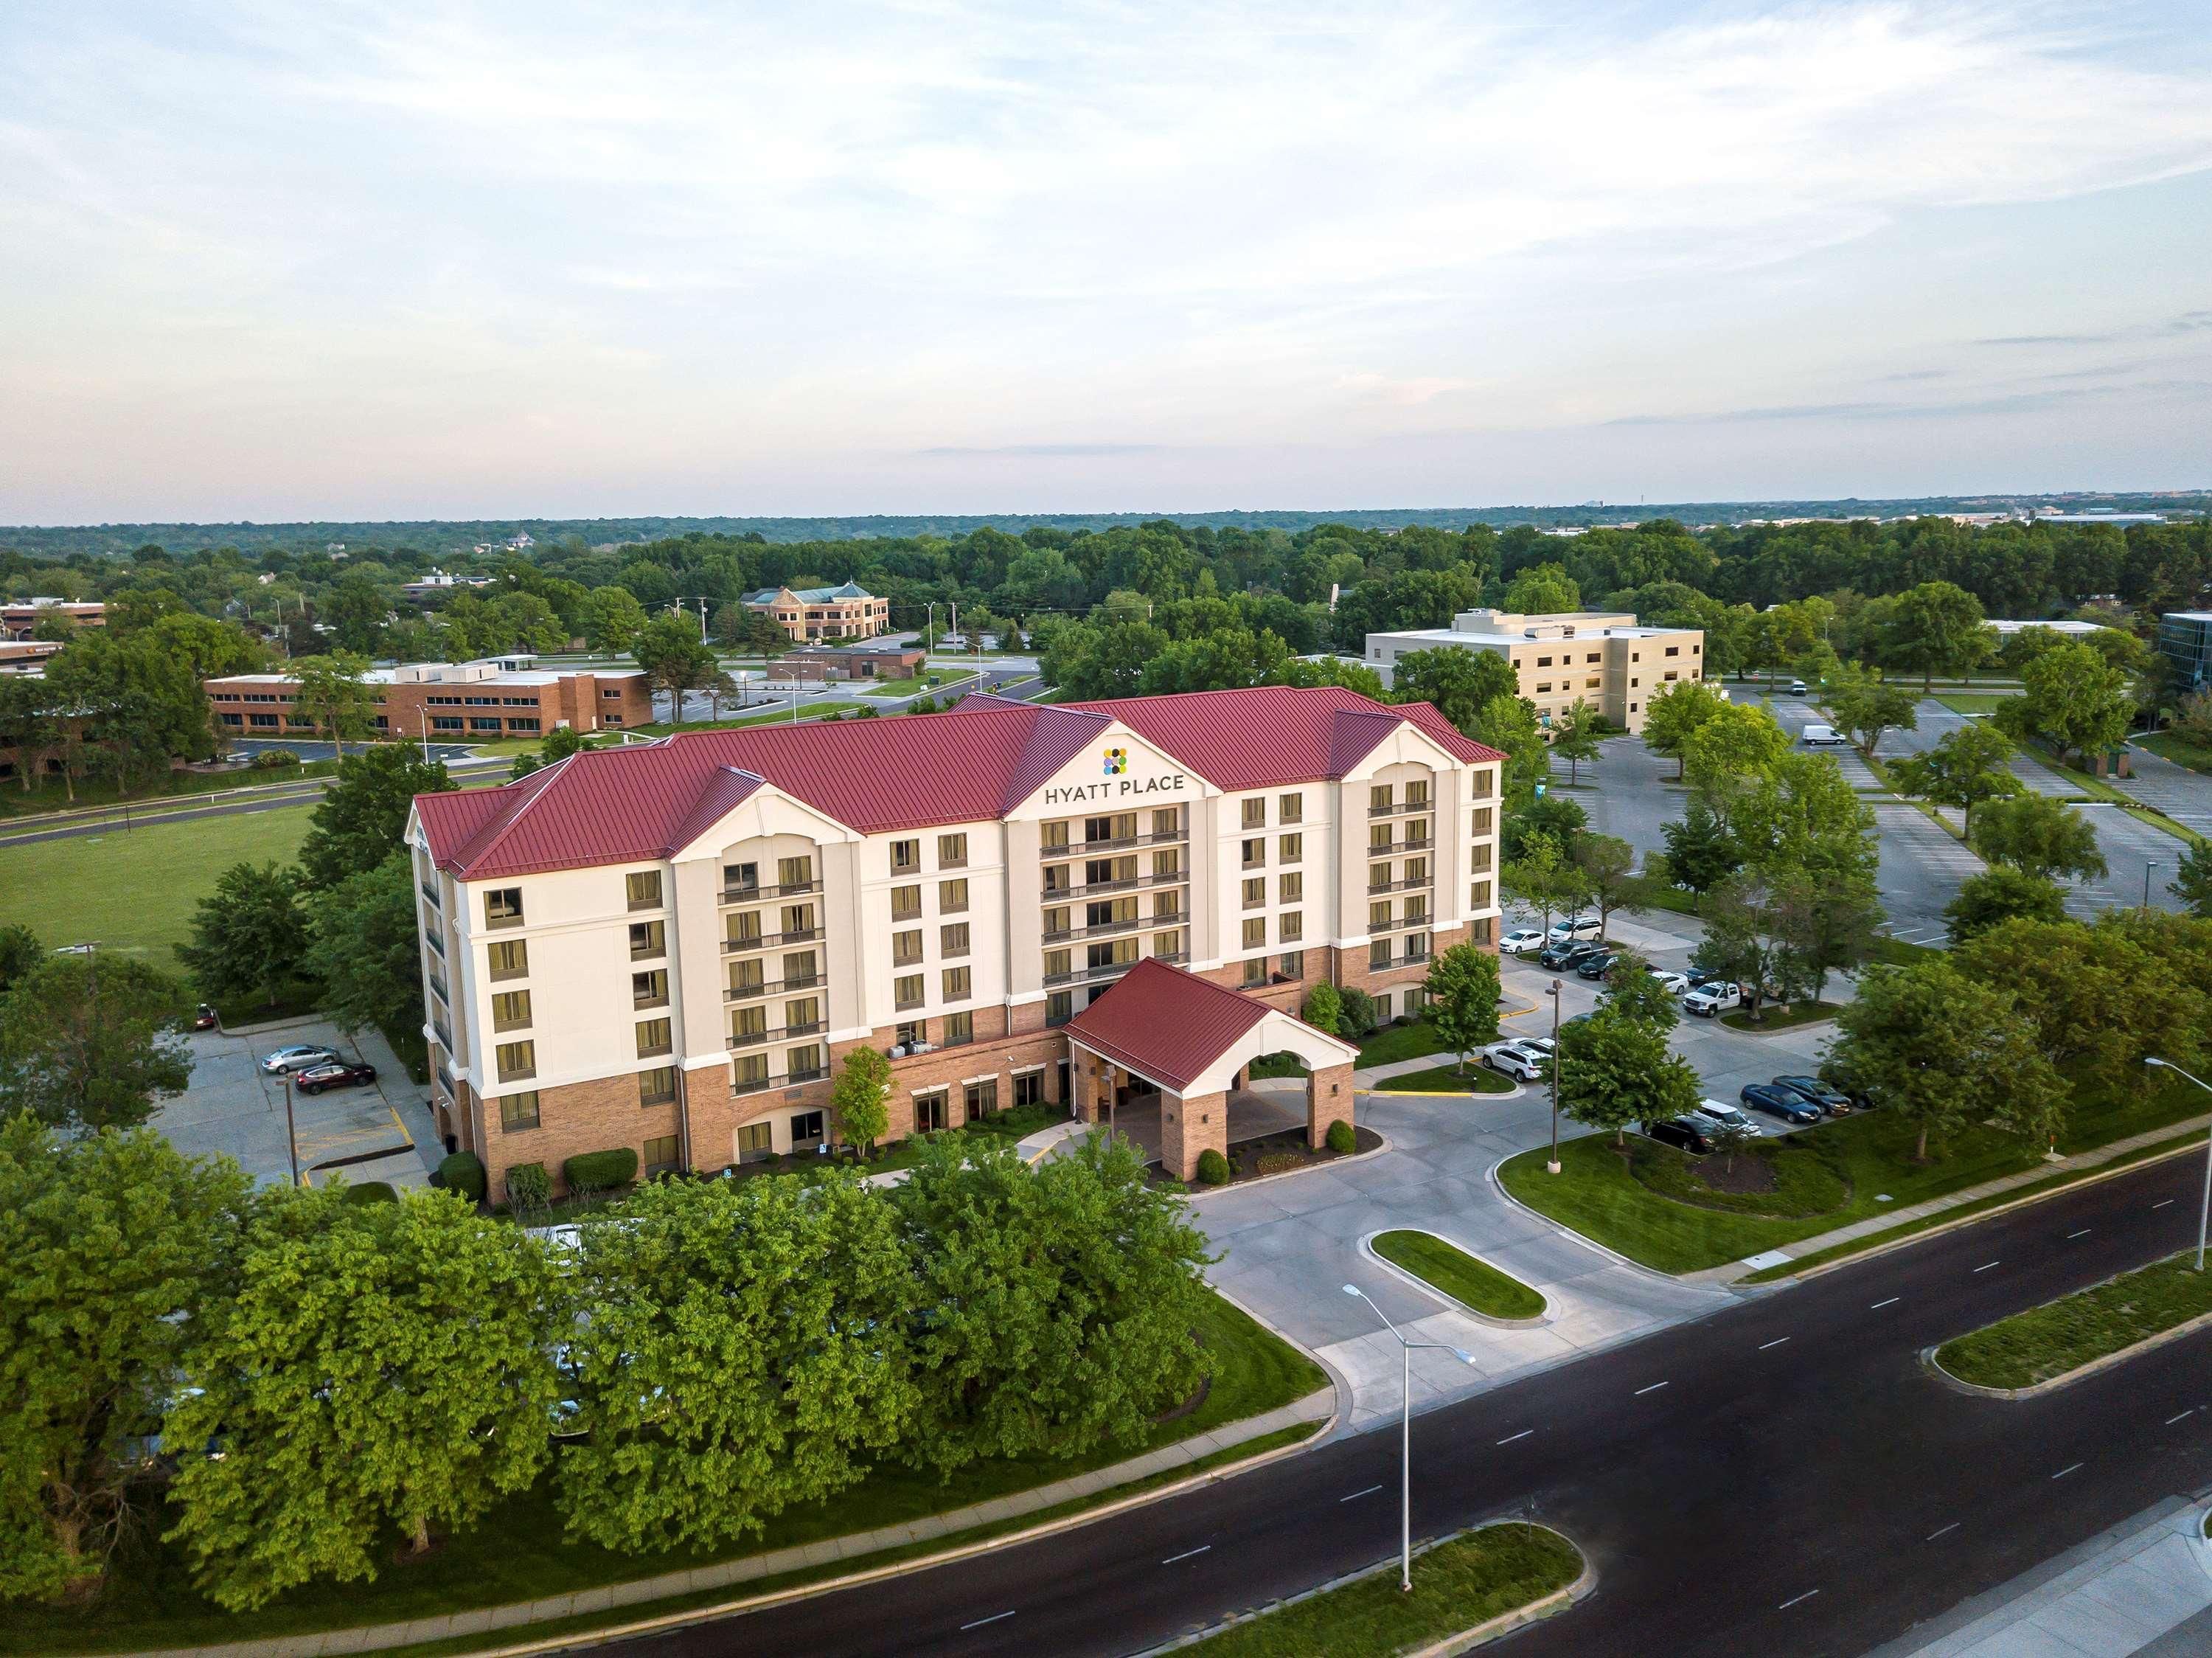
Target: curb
x=1589, y=1243
x=2051, y=1385
x=1367, y=1248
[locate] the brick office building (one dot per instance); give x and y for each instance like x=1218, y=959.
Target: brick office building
x=20, y=619
x=671, y=945
x=449, y=702
x=809, y=614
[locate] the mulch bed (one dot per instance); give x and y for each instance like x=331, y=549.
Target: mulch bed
x=1274, y=1153
x=1749, y=1174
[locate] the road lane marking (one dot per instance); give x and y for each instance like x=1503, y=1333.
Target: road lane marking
x=2063, y=1473
x=1653, y=1388
x=1777, y=1341
x=1186, y=1554
x=1369, y=1491
x=2083, y=1232
x=1985, y=1266
x=2170, y=1420
x=1952, y=1527
x=980, y=1622
x=2162, y=1204
x=1523, y=1434
x=1807, y=1595
x=1878, y=1306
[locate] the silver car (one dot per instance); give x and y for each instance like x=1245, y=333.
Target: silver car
x=300, y=1056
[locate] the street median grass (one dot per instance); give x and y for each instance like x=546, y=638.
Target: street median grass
x=1782, y=1019
x=1458, y=1585
x=1474, y=1284
x=2049, y=1341
x=1631, y=1203
x=1446, y=1079
x=519, y=1552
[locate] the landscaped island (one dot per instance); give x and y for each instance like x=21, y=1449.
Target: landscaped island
x=1476, y=1285
x=2062, y=1335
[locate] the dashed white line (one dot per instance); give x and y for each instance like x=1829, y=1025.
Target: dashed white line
x=1369, y=1491
x=1985, y=1266
x=1807, y=1595
x=1952, y=1527
x=980, y=1622
x=1653, y=1388
x=2069, y=1469
x=2083, y=1232
x=1186, y=1554
x=1523, y=1434
x=1878, y=1306
x=2162, y=1204
x=2170, y=1420
x=1777, y=1341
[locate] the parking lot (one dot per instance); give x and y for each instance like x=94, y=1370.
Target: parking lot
x=2131, y=849
x=1922, y=865
x=379, y=1132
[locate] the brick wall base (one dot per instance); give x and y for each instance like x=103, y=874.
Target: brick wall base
x=1328, y=1099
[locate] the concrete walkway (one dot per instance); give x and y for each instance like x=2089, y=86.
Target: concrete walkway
x=734, y=1573
x=2143, y=1587
x=1936, y=1206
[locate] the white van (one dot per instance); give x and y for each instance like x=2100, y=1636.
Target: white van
x=1824, y=736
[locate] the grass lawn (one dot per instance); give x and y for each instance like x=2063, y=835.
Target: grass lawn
x=935, y=679
x=1005, y=1126
x=518, y=1552
x=1468, y=1281
x=1394, y=1042
x=48, y=796
x=2172, y=747
x=1598, y=1194
x=1782, y=1019
x=1447, y=1079
x=2067, y=1333
x=1459, y=1584
x=1673, y=899
x=1896, y=953
x=806, y=711
x=136, y=890
x=1972, y=702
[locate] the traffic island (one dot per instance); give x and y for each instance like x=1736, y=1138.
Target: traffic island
x=1448, y=1080
x=2047, y=1347
x=1494, y=1296
x=1467, y=1589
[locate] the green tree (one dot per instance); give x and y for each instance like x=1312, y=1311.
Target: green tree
x=675, y=659
x=2191, y=882
x=1827, y=919
x=1701, y=853
x=379, y=1366
x=1804, y=814
x=20, y=952
x=211, y=648
x=1736, y=744
x=1942, y=1051
x=2074, y=700
x=1634, y=991
x=1615, y=1071
x=1324, y=1008
x=1543, y=881
x=1865, y=706
x=1056, y=1304
x=2040, y=836
x=1964, y=768
x=743, y=1348
x=333, y=691
x=1575, y=737
x=89, y=1041
x=1608, y=870
x=1459, y=683
x=1998, y=895
x=362, y=947
x=1543, y=590
x=1747, y=941
x=1464, y=991
x=2098, y=1000
x=115, y=1245
x=1508, y=724
x=1935, y=627
x=859, y=1099
x=358, y=822
x=612, y=620
x=250, y=935
x=355, y=610
x=1675, y=711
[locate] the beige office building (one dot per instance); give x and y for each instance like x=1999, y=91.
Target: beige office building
x=1598, y=655
x=671, y=945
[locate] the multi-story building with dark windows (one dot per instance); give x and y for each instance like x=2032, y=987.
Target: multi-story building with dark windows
x=448, y=702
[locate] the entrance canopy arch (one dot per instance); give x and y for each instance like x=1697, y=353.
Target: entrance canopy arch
x=1192, y=1039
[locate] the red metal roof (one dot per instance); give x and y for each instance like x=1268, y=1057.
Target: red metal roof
x=1165, y=1024
x=972, y=764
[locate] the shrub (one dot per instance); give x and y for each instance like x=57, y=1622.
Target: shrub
x=1324, y=1008
x=464, y=1172
x=1212, y=1167
x=1341, y=1139
x=1357, y=1019
x=528, y=1187
x=370, y=1192
x=269, y=759
x=600, y=1171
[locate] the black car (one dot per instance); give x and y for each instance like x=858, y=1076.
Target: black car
x=1785, y=1103
x=1571, y=955
x=316, y=1078
x=1827, y=1096
x=1690, y=1137
x=1598, y=966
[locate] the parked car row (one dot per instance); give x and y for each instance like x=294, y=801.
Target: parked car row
x=313, y=1068
x=1523, y=1058
x=1799, y=1098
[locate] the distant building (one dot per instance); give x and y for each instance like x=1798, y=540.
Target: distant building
x=1608, y=659
x=20, y=618
x=438, y=581
x=2185, y=639
x=457, y=702
x=830, y=662
x=2007, y=630
x=850, y=611
x=519, y=540
x=25, y=659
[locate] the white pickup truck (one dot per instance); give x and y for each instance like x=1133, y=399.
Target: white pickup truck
x=1709, y=1001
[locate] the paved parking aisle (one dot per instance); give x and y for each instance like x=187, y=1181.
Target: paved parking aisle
x=1920, y=870
x=2183, y=794
x=1937, y=721
x=2131, y=849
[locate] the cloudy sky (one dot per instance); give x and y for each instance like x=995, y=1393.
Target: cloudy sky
x=441, y=259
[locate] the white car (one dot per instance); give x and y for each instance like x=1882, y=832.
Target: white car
x=1823, y=736
x=1723, y=1115
x=1713, y=1000
x=1575, y=927
x=1521, y=1064
x=1796, y=687
x=285, y=1061
x=1674, y=984
x=1521, y=940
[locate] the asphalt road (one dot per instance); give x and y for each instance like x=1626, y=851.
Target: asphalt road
x=151, y=814
x=1779, y=1477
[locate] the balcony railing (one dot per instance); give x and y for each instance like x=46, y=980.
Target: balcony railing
x=1392, y=848
x=1096, y=929
x=791, y=1080
x=1078, y=849
x=763, y=895
x=1416, y=883
x=1174, y=878
x=768, y=942
x=754, y=1039
x=1401, y=809
x=1406, y=960
x=1082, y=975
x=770, y=987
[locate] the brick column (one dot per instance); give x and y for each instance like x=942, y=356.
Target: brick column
x=1084, y=1077
x=1328, y=1099
x=1190, y=1126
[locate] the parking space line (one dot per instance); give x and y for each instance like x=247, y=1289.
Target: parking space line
x=1807, y=1595
x=980, y=1622
x=1777, y=1341
x=2067, y=1469
x=2083, y=1232
x=2162, y=1204
x=1985, y=1266
x=1933, y=1535
x=2170, y=1420
x=1369, y=1491
x=1878, y=1306
x=1653, y=1388
x=1186, y=1554
x=1523, y=1434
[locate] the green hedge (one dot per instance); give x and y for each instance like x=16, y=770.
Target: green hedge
x=370, y=1192
x=462, y=1172
x=600, y=1171
x=528, y=1186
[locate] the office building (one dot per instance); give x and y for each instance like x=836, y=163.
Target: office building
x=449, y=702
x=810, y=614
x=1604, y=659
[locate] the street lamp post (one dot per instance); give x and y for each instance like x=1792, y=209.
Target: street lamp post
x=2148, y=867
x=2203, y=1209
x=1406, y=1431
x=1552, y=990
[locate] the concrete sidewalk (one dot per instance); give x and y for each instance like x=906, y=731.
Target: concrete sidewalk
x=2143, y=1587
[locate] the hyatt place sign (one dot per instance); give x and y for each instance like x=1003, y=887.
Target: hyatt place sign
x=1117, y=784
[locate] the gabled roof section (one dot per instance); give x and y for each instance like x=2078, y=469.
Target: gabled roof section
x=1166, y=1025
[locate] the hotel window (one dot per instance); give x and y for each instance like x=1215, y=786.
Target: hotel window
x=959, y=1027
x=1255, y=854
x=952, y=896
x=1059, y=964
x=906, y=948
x=1417, y=947
x=1097, y=958
x=1543, y=689
x=906, y=990
x=660, y=1154
x=1486, y=783
x=1477, y=896
x=748, y=1070
x=1292, y=848
x=1255, y=971
x=1291, y=927
x=906, y=903
x=1057, y=922
x=1054, y=836
x=510, y=1010
x=1097, y=829
x=503, y=908
x=909, y=1033
x=952, y=939
x=1671, y=675
x=1378, y=838
x=1417, y=870
x=648, y=938
x=740, y=878
x=1417, y=908
x=1256, y=932
x=1479, y=857
x=518, y=1111
x=1592, y=657
x=1290, y=888
x=1594, y=683
x=1168, y=820
x=657, y=1086
x=510, y=959
x=1290, y=809
x=1108, y=912
x=1167, y=944
x=649, y=989
x=1291, y=965
x=1381, y=798
x=743, y=930
x=929, y=1112
x=745, y=976
x=653, y=1037
x=1255, y=814
x=1166, y=865
x=1378, y=917
x=956, y=985
x=1543, y=661
x=906, y=856
x=1417, y=794
x=805, y=1064
x=983, y=1099
x=1378, y=953
x=748, y=1025
x=802, y=1014
x=1483, y=819
x=1255, y=892
x=516, y=1059
x=1167, y=906
x=1417, y=832
x=799, y=970
x=1029, y=1090
x=951, y=851
x=755, y=1142
x=1059, y=1007
x=1059, y=877
x=794, y=874
x=644, y=885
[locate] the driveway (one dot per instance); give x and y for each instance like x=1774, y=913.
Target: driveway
x=382, y=1131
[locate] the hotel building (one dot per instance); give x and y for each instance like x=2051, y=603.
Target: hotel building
x=1604, y=659
x=671, y=945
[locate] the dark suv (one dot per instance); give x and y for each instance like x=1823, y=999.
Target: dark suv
x=1690, y=1137
x=1573, y=954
